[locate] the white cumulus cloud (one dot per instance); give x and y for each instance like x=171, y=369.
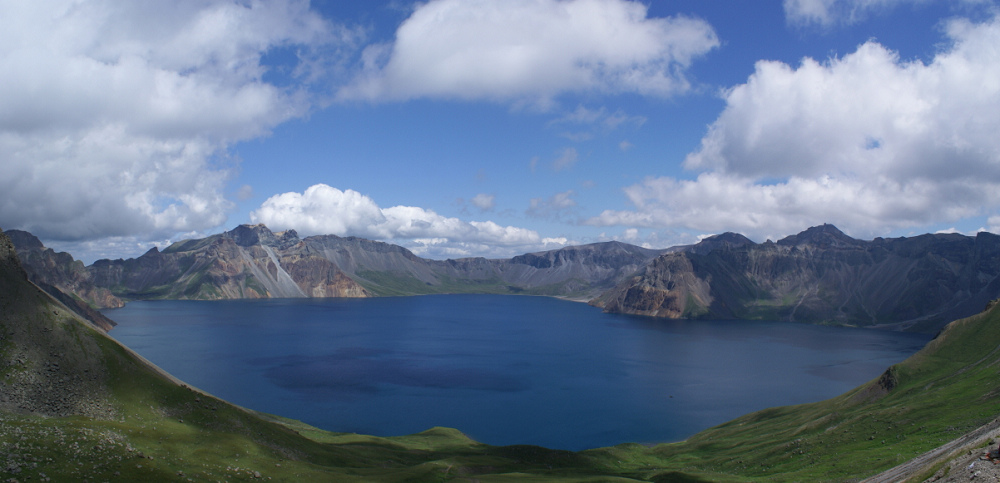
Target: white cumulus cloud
x=322, y=209
x=115, y=117
x=532, y=50
x=868, y=141
x=993, y=224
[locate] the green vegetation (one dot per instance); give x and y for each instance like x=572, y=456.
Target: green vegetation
x=397, y=283
x=945, y=390
x=253, y=284
x=158, y=292
x=190, y=245
x=693, y=309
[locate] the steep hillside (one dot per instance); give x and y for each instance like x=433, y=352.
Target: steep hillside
x=822, y=276
x=75, y=405
x=949, y=388
x=64, y=278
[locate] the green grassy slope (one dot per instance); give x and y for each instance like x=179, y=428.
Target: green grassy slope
x=947, y=389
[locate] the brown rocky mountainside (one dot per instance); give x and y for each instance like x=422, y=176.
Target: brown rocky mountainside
x=821, y=276
x=64, y=278
x=248, y=262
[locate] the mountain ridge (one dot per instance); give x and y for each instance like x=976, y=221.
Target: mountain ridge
x=819, y=275
x=250, y=261
x=64, y=278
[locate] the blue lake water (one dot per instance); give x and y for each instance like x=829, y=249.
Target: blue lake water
x=502, y=369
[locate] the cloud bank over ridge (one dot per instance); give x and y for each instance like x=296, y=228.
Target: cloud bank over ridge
x=867, y=141
x=322, y=210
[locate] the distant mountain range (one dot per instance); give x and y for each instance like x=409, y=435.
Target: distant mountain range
x=818, y=276
x=254, y=262
x=821, y=276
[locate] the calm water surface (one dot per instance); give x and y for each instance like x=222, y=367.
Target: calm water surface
x=503, y=369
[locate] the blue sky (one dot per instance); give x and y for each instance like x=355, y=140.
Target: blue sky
x=496, y=127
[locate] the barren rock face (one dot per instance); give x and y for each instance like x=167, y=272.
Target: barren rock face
x=64, y=278
x=60, y=270
x=667, y=287
x=822, y=276
x=247, y=262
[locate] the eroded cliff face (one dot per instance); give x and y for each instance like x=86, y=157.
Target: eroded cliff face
x=64, y=278
x=822, y=276
x=580, y=271
x=667, y=287
x=247, y=262
x=586, y=270
x=318, y=277
x=45, y=267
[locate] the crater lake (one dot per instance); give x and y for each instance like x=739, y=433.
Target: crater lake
x=502, y=369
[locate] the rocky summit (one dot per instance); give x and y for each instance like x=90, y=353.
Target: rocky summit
x=821, y=276
x=247, y=262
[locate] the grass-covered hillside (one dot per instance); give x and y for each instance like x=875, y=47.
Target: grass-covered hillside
x=76, y=405
x=949, y=388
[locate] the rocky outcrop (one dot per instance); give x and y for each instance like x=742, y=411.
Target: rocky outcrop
x=10, y=265
x=60, y=270
x=822, y=276
x=668, y=287
x=64, y=278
